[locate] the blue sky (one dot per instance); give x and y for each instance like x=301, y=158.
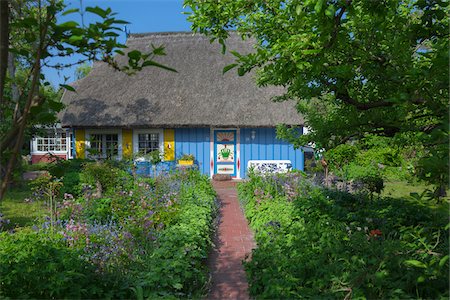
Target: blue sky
x=143, y=15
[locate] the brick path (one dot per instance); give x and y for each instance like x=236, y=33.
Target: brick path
x=233, y=241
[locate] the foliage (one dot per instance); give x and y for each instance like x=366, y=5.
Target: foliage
x=82, y=71
x=106, y=174
x=38, y=35
x=187, y=157
x=69, y=172
x=48, y=188
x=38, y=265
x=318, y=243
x=143, y=236
x=155, y=157
x=354, y=67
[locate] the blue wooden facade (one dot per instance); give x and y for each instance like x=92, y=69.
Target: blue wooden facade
x=216, y=151
x=252, y=144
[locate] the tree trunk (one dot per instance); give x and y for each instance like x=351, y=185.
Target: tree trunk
x=4, y=45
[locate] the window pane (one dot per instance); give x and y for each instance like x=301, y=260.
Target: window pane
x=148, y=142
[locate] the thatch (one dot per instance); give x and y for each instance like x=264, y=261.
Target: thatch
x=198, y=95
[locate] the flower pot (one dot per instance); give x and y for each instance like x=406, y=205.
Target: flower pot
x=185, y=162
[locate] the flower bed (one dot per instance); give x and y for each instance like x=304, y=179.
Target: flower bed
x=314, y=242
x=141, y=238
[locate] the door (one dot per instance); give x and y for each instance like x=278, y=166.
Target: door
x=225, y=152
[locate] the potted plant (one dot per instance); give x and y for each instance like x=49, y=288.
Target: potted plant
x=186, y=160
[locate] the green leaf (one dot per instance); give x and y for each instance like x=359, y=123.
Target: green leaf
x=311, y=51
x=241, y=71
x=237, y=54
x=330, y=11
x=155, y=64
x=70, y=11
x=135, y=54
x=228, y=68
x=120, y=22
x=319, y=5
x=67, y=87
x=415, y=263
x=69, y=24
x=178, y=286
x=98, y=11
x=421, y=279
x=75, y=38
x=298, y=9
x=443, y=261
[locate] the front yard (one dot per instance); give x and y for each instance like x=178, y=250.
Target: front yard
x=109, y=234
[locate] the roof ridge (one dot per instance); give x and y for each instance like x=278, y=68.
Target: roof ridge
x=167, y=33
x=145, y=34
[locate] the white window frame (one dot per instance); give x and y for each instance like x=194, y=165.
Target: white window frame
x=136, y=133
x=34, y=144
x=90, y=132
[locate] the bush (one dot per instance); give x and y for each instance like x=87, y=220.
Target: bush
x=69, y=171
x=148, y=237
x=37, y=265
x=110, y=176
x=318, y=243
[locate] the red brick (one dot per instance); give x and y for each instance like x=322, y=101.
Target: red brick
x=234, y=242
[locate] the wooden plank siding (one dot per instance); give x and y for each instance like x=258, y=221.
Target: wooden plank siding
x=267, y=146
x=194, y=141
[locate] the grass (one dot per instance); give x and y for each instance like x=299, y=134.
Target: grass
x=402, y=189
x=18, y=211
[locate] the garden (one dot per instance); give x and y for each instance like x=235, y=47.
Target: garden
x=315, y=241
x=96, y=230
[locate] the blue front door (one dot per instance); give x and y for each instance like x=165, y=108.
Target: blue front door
x=225, y=152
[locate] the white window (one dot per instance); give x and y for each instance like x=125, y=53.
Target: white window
x=103, y=143
x=53, y=142
x=147, y=140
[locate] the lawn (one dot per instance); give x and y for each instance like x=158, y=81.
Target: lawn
x=402, y=189
x=21, y=212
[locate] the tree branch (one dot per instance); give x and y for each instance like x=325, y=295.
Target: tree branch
x=337, y=23
x=362, y=106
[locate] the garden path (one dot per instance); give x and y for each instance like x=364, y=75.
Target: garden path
x=233, y=243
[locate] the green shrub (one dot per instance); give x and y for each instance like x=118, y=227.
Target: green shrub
x=147, y=237
x=36, y=265
x=110, y=176
x=329, y=244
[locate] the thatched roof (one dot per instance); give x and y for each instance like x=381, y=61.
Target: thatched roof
x=197, y=95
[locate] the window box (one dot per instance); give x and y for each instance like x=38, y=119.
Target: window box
x=185, y=162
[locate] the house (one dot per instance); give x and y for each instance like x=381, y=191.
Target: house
x=224, y=120
x=53, y=142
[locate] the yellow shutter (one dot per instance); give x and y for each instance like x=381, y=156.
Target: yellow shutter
x=80, y=143
x=127, y=143
x=169, y=144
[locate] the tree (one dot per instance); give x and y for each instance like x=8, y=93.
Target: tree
x=35, y=36
x=356, y=67
x=82, y=70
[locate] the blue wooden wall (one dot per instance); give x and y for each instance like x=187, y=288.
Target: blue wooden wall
x=267, y=146
x=194, y=141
